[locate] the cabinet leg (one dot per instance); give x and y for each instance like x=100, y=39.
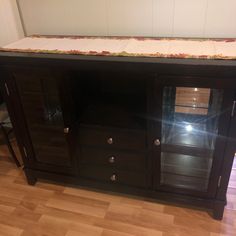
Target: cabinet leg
x=31, y=179
x=218, y=210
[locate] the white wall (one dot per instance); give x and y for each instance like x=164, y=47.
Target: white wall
x=10, y=24
x=190, y=18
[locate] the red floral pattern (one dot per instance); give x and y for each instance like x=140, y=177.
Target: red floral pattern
x=124, y=53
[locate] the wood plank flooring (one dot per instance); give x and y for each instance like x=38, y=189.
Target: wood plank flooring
x=49, y=209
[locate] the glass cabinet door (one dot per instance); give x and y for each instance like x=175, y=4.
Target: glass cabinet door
x=190, y=119
x=39, y=94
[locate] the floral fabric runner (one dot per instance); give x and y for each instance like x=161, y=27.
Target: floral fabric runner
x=127, y=46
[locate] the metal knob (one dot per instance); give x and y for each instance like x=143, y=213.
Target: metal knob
x=110, y=141
x=111, y=159
x=113, y=178
x=66, y=130
x=157, y=142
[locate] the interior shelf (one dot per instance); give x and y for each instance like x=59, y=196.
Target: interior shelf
x=104, y=99
x=187, y=150
x=185, y=171
x=112, y=115
x=188, y=134
x=180, y=181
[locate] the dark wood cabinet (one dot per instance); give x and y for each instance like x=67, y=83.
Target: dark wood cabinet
x=42, y=108
x=45, y=143
x=189, y=134
x=151, y=127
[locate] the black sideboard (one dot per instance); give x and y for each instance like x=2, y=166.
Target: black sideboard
x=161, y=128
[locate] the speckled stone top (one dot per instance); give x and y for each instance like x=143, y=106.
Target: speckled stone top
x=127, y=46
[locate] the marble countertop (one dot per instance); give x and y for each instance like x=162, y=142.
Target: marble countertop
x=127, y=46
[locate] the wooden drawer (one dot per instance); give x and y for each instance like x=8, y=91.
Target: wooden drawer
x=114, y=176
x=127, y=160
x=112, y=138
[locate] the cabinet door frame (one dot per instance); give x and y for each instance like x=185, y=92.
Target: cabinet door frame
x=12, y=101
x=28, y=149
x=156, y=99
x=229, y=157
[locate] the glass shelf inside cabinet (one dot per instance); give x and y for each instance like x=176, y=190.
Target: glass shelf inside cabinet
x=189, y=130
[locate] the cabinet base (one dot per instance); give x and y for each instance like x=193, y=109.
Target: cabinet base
x=216, y=206
x=218, y=209
x=30, y=176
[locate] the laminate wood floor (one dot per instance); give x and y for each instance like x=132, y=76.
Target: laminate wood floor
x=49, y=209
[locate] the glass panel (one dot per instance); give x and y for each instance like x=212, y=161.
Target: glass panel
x=52, y=108
x=189, y=131
x=41, y=103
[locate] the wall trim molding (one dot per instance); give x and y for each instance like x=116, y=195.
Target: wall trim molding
x=21, y=17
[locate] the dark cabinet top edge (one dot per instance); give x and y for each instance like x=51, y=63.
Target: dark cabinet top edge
x=22, y=57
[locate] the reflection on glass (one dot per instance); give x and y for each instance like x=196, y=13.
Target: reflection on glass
x=52, y=108
x=189, y=130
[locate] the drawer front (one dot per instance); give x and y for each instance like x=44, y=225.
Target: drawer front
x=112, y=138
x=110, y=158
x=114, y=176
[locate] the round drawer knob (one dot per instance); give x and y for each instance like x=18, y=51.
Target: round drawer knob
x=113, y=178
x=110, y=140
x=111, y=159
x=157, y=142
x=66, y=130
